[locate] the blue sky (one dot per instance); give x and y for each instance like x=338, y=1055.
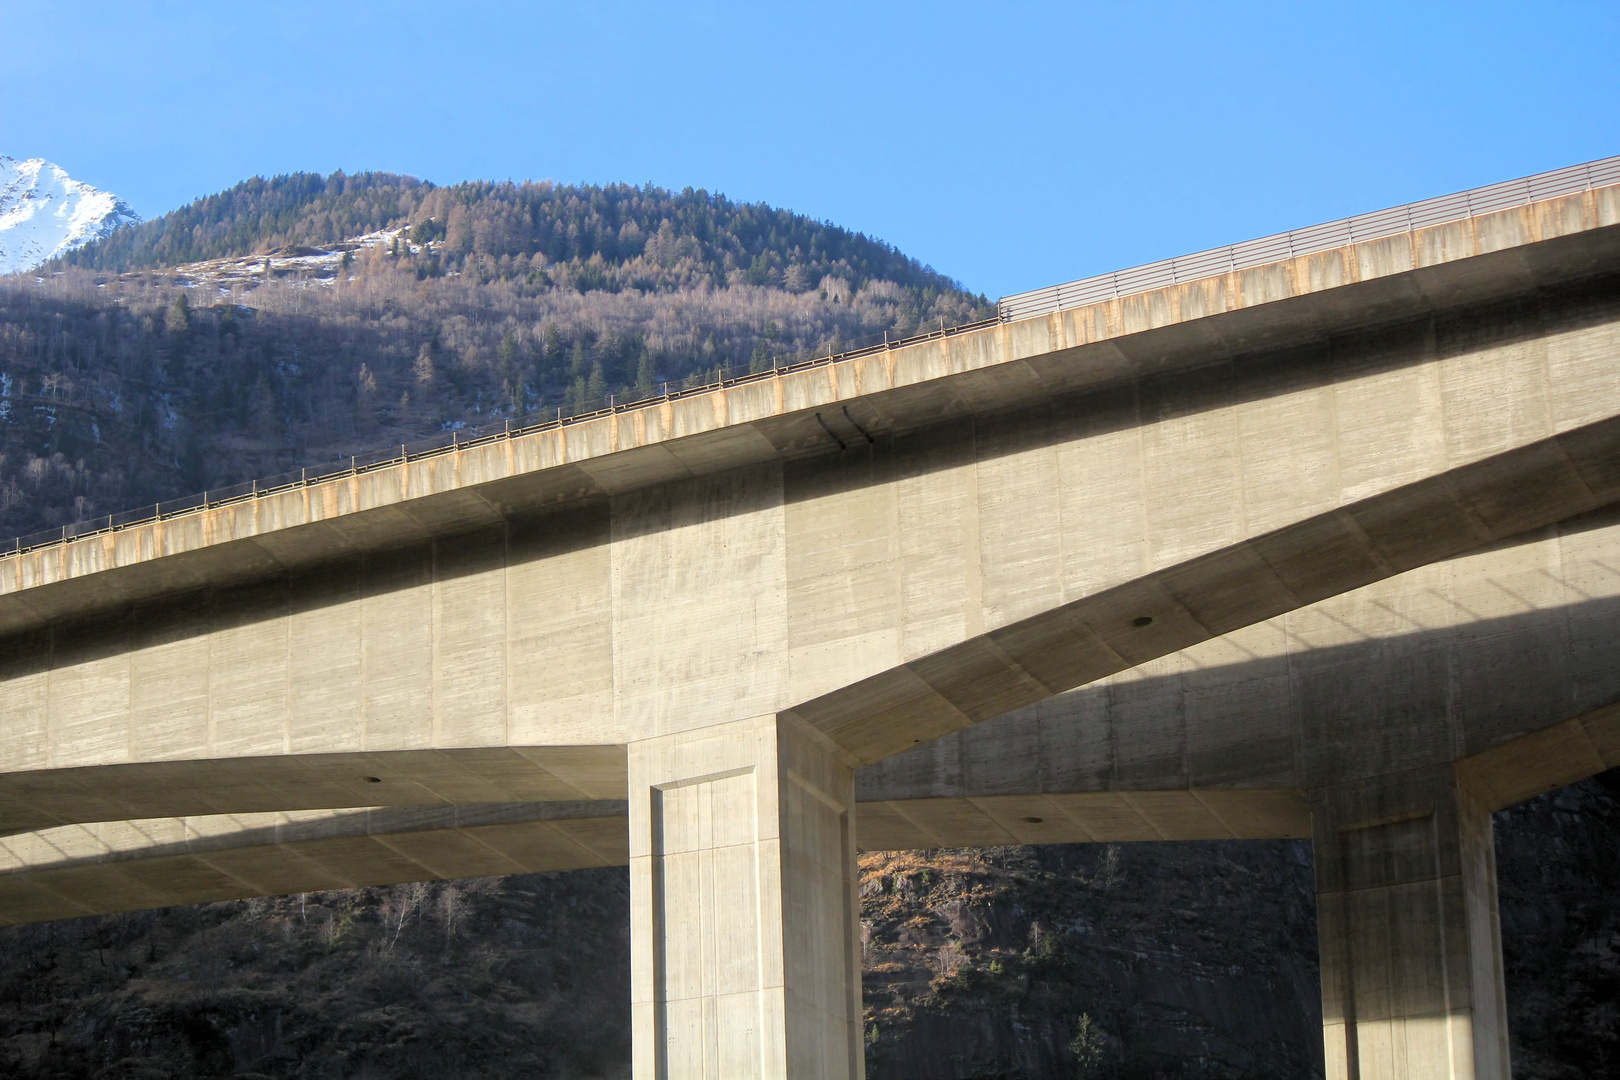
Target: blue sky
x=1009, y=145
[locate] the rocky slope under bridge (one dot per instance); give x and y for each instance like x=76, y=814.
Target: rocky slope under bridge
x=1130, y=961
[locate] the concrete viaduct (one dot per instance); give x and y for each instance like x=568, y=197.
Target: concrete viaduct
x=1324, y=544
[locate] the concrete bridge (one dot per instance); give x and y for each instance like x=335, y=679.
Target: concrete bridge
x=1326, y=546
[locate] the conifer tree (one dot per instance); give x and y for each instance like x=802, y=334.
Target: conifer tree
x=177, y=320
x=424, y=367
x=646, y=375
x=508, y=371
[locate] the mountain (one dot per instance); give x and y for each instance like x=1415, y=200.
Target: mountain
x=45, y=213
x=589, y=237
x=290, y=321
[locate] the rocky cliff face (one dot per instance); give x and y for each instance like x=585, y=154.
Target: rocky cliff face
x=516, y=977
x=1558, y=872
x=1131, y=961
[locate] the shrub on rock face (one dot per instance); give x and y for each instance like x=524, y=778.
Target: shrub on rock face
x=986, y=970
x=1088, y=1047
x=514, y=977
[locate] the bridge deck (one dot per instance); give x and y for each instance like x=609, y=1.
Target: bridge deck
x=805, y=412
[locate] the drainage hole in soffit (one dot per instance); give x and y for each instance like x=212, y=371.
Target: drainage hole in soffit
x=1142, y=620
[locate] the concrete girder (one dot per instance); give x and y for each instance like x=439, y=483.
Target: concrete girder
x=296, y=782
x=1206, y=598
x=1123, y=627
x=1511, y=644
x=947, y=576
x=1014, y=666
x=1477, y=260
x=1035, y=776
x=109, y=867
x=103, y=868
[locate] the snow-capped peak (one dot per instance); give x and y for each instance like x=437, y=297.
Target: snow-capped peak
x=44, y=212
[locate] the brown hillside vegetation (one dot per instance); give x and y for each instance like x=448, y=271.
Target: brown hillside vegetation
x=117, y=391
x=125, y=379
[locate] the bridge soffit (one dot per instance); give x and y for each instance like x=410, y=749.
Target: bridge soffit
x=1234, y=730
x=1258, y=490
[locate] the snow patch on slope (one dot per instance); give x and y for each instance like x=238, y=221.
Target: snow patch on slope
x=45, y=212
x=298, y=265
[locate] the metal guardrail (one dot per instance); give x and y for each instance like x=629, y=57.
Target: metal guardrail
x=448, y=443
x=1251, y=253
x=1290, y=245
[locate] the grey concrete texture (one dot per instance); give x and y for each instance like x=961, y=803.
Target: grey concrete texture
x=1257, y=555
x=887, y=596
x=110, y=867
x=1501, y=659
x=1502, y=656
x=744, y=930
x=1410, y=936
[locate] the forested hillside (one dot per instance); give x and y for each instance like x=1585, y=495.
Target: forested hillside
x=586, y=238
x=122, y=385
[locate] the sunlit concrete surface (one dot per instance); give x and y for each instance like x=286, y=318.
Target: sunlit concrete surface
x=1323, y=548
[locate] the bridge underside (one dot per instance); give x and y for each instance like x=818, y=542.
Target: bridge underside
x=1326, y=549
x=1506, y=654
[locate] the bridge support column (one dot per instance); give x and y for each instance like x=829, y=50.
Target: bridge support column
x=745, y=950
x=1410, y=935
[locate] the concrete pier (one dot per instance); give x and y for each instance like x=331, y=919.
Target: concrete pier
x=745, y=937
x=1411, y=942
